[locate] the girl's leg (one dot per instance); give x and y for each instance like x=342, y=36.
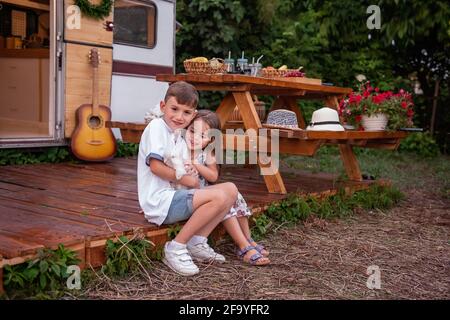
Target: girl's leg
x=234, y=230
x=243, y=223
x=210, y=207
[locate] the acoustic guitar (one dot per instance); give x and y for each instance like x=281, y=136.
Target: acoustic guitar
x=92, y=140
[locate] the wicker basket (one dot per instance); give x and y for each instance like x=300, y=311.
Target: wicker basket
x=274, y=73
x=203, y=67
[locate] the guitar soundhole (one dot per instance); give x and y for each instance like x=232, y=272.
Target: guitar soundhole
x=95, y=122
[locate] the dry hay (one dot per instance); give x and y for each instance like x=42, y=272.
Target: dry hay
x=319, y=260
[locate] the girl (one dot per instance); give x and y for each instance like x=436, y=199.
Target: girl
x=204, y=164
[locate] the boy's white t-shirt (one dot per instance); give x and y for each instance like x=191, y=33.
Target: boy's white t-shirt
x=155, y=194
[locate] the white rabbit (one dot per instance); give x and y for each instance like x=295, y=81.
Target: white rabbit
x=153, y=113
x=174, y=159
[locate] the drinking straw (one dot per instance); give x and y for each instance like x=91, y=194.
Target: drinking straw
x=242, y=54
x=257, y=61
x=229, y=54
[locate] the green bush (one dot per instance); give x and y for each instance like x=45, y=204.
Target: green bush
x=125, y=149
x=43, y=277
x=33, y=156
x=55, y=154
x=422, y=144
x=296, y=208
x=126, y=255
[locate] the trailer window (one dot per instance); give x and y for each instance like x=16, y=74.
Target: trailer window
x=135, y=23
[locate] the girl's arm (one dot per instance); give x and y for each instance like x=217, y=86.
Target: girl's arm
x=209, y=171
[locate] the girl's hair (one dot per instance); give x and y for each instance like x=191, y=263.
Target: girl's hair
x=210, y=118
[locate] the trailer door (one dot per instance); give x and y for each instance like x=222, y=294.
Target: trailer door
x=144, y=45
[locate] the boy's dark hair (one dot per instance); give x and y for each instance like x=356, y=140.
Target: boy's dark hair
x=211, y=118
x=184, y=92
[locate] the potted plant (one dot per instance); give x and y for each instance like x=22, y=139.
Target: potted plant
x=372, y=110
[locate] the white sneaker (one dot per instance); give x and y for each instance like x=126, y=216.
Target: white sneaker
x=179, y=261
x=203, y=252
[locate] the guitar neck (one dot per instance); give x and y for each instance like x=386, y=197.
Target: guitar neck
x=95, y=92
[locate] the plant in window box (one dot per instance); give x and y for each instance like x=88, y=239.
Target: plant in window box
x=372, y=110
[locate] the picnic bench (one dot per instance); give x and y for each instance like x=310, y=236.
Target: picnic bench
x=287, y=93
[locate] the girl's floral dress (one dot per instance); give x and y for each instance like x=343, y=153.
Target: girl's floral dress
x=240, y=208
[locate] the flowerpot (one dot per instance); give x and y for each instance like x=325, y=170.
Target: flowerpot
x=376, y=122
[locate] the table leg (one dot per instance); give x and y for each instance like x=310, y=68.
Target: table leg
x=290, y=103
x=350, y=162
x=348, y=157
x=226, y=109
x=251, y=120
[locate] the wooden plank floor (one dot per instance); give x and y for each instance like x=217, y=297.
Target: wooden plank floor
x=47, y=204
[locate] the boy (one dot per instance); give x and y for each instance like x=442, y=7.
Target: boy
x=162, y=204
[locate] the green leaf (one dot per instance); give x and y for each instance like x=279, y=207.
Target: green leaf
x=19, y=281
x=30, y=274
x=42, y=281
x=43, y=266
x=56, y=269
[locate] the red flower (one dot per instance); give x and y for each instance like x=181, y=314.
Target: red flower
x=358, y=118
x=410, y=112
x=377, y=90
x=404, y=105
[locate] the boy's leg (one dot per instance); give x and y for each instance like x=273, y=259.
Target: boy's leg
x=210, y=207
x=207, y=229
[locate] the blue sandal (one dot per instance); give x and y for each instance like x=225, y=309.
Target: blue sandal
x=260, y=248
x=254, y=258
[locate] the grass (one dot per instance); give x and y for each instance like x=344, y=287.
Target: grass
x=295, y=208
x=405, y=170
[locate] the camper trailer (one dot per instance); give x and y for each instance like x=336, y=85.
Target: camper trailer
x=46, y=73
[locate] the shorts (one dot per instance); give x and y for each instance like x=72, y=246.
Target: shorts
x=181, y=207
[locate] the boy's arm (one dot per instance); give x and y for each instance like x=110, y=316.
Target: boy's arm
x=164, y=172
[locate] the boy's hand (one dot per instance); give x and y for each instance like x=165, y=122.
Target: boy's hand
x=190, y=181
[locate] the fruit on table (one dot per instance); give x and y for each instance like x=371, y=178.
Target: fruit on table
x=283, y=67
x=269, y=68
x=198, y=59
x=295, y=73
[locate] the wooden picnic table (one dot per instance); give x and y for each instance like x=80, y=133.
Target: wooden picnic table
x=287, y=92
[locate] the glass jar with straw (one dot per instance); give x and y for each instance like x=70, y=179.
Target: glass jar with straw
x=242, y=64
x=229, y=63
x=255, y=68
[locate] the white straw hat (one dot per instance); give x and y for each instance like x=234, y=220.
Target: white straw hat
x=325, y=119
x=282, y=118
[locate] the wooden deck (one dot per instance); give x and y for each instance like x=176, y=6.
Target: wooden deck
x=83, y=205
